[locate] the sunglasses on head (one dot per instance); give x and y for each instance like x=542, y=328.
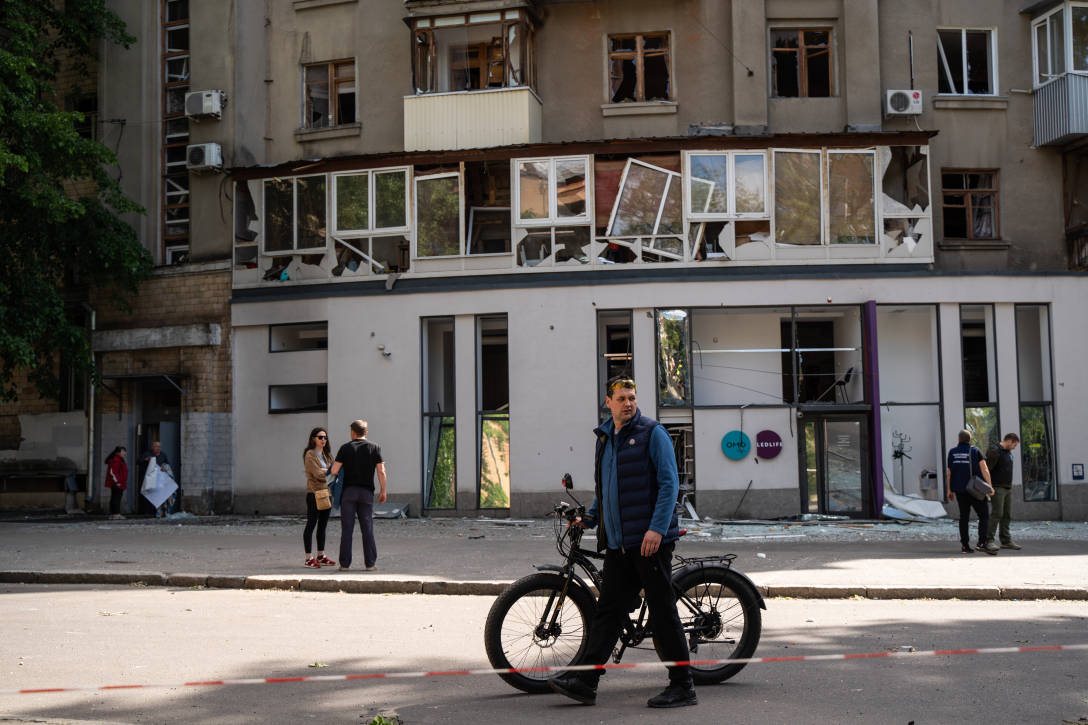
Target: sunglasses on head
x=625, y=383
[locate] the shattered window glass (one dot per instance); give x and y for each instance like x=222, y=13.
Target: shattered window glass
x=438, y=216
x=710, y=184
x=639, y=201
x=489, y=230
x=905, y=179
x=673, y=359
x=535, y=248
x=572, y=246
x=751, y=184
x=352, y=202
x=348, y=258
x=907, y=231
x=390, y=200
x=279, y=215
x=797, y=203
x=672, y=213
x=570, y=187
x=387, y=252
x=311, y=212
x=533, y=190
x=850, y=197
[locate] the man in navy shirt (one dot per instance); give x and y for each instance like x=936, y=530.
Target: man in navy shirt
x=965, y=462
x=637, y=527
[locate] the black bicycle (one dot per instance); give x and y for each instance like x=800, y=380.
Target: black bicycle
x=543, y=620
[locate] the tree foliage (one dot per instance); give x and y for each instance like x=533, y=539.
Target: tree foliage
x=46, y=233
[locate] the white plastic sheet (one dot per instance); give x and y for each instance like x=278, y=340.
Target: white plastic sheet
x=914, y=505
x=163, y=489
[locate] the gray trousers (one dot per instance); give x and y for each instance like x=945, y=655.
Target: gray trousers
x=355, y=501
x=1001, y=503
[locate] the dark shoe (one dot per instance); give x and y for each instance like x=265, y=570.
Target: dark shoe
x=985, y=549
x=967, y=550
x=344, y=568
x=989, y=546
x=575, y=689
x=1010, y=545
x=674, y=697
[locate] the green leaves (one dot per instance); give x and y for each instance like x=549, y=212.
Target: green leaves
x=52, y=240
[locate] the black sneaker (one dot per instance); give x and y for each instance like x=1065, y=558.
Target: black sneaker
x=987, y=550
x=967, y=550
x=575, y=689
x=675, y=697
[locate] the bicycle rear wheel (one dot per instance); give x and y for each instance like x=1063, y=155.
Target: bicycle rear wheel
x=726, y=624
x=518, y=632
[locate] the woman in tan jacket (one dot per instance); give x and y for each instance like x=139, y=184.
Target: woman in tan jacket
x=318, y=458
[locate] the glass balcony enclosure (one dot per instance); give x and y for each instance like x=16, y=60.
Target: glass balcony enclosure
x=1059, y=40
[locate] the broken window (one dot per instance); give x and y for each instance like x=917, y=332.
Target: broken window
x=472, y=52
x=552, y=191
x=330, y=94
x=360, y=256
x=639, y=68
x=798, y=207
x=557, y=246
x=907, y=232
x=673, y=358
x=493, y=411
x=649, y=205
x=801, y=64
x=970, y=201
x=294, y=214
x=487, y=198
x=438, y=215
x=312, y=398
x=439, y=404
x=1049, y=41
x=1033, y=365
x=246, y=256
x=905, y=179
x=965, y=62
x=850, y=197
x=292, y=338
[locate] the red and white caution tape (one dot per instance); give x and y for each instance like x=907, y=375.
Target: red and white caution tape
x=574, y=668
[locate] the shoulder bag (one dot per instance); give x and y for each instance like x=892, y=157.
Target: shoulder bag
x=324, y=499
x=977, y=486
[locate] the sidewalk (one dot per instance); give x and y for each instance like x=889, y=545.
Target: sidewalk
x=457, y=556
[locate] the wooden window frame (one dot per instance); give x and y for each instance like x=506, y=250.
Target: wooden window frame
x=802, y=60
x=334, y=82
x=966, y=194
x=425, y=69
x=639, y=55
x=171, y=242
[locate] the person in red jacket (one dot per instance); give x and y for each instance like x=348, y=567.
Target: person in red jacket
x=116, y=480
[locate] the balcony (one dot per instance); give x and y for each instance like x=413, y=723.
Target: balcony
x=471, y=119
x=1061, y=110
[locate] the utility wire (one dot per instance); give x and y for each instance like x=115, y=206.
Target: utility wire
x=727, y=50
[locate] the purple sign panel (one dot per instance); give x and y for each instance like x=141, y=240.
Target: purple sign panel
x=768, y=444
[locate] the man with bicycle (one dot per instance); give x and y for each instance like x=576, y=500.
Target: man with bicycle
x=635, y=515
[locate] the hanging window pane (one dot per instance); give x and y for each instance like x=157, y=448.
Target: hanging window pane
x=673, y=363
x=710, y=184
x=639, y=201
x=850, y=192
x=311, y=212
x=279, y=215
x=797, y=205
x=1037, y=441
x=390, y=200
x=570, y=188
x=672, y=213
x=751, y=185
x=317, y=96
x=533, y=190
x=352, y=202
x=950, y=52
x=438, y=217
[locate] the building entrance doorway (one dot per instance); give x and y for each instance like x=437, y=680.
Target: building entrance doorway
x=835, y=456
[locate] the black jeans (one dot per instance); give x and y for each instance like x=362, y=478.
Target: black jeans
x=116, y=494
x=356, y=501
x=623, y=575
x=318, y=518
x=982, y=510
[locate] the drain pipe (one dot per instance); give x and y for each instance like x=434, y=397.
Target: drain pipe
x=90, y=497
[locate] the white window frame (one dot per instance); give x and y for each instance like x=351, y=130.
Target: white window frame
x=878, y=224
x=945, y=68
x=372, y=199
x=697, y=216
x=459, y=175
x=295, y=249
x=824, y=222
x=639, y=242
x=553, y=219
x=1067, y=31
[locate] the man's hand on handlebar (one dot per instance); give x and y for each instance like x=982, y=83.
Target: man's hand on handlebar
x=577, y=522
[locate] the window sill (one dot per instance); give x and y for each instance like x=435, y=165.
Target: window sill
x=320, y=134
x=307, y=4
x=983, y=103
x=649, y=108
x=967, y=245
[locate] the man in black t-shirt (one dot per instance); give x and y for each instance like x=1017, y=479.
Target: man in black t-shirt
x=999, y=461
x=359, y=460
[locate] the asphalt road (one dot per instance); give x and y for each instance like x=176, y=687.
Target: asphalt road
x=83, y=635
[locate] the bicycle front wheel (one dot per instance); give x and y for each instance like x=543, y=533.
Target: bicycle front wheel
x=526, y=627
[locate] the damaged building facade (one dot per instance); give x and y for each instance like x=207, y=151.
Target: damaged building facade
x=821, y=235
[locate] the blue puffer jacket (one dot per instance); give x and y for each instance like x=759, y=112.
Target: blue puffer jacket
x=636, y=479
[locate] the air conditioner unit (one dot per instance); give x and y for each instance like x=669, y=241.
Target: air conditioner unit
x=205, y=104
x=902, y=103
x=203, y=157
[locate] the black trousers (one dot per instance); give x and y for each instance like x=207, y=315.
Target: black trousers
x=116, y=494
x=968, y=502
x=357, y=502
x=315, y=517
x=624, y=574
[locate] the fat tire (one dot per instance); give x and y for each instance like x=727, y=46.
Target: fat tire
x=581, y=599
x=749, y=601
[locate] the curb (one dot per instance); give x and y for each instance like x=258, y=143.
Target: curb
x=354, y=585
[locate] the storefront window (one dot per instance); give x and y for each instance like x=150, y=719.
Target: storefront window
x=439, y=425
x=979, y=374
x=1036, y=402
x=674, y=359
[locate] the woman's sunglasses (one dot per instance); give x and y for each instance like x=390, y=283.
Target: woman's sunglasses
x=322, y=438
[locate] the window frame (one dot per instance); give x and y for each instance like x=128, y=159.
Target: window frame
x=824, y=198
x=966, y=194
x=732, y=213
x=372, y=198
x=1044, y=20
x=414, y=238
x=878, y=224
x=295, y=249
x=943, y=67
x=638, y=55
x=1047, y=403
x=508, y=18
x=802, y=68
x=273, y=351
x=174, y=246
x=334, y=83
x=553, y=219
x=296, y=411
